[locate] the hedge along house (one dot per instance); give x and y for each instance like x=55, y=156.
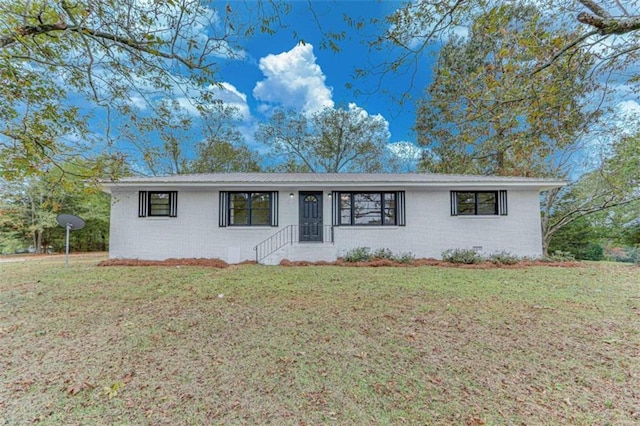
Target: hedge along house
x=269, y=217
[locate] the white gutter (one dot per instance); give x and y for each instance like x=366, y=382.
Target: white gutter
x=539, y=185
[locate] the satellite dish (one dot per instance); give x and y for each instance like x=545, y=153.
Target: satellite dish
x=70, y=223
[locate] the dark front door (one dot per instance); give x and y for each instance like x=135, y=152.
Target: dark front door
x=311, y=216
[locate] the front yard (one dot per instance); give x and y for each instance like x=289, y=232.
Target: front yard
x=309, y=345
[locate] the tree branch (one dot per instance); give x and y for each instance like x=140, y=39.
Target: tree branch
x=604, y=22
x=563, y=51
x=32, y=31
x=595, y=8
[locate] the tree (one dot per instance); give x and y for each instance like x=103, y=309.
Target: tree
x=169, y=145
x=29, y=210
x=224, y=157
x=412, y=30
x=614, y=184
x=109, y=53
x=332, y=140
x=30, y=207
x=579, y=238
x=484, y=113
x=224, y=148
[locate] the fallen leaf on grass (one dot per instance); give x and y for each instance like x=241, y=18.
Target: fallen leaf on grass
x=113, y=390
x=76, y=388
x=475, y=421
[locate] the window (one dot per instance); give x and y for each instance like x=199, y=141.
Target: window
x=369, y=208
x=478, y=203
x=157, y=203
x=248, y=209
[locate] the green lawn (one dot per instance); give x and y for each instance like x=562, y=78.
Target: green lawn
x=313, y=345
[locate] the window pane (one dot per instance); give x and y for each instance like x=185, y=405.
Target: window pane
x=250, y=208
x=389, y=216
x=487, y=203
x=389, y=208
x=159, y=204
x=260, y=208
x=239, y=209
x=389, y=200
x=345, y=209
x=259, y=217
x=345, y=216
x=367, y=209
x=466, y=203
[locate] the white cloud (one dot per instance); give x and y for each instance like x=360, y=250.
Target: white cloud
x=405, y=150
x=364, y=114
x=629, y=108
x=187, y=95
x=293, y=79
x=230, y=95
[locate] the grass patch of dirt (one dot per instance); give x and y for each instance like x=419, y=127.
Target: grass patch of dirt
x=312, y=345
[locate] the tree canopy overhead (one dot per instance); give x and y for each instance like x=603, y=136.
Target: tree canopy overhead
x=108, y=53
x=485, y=113
x=609, y=28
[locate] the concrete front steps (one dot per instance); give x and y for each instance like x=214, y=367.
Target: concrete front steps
x=310, y=252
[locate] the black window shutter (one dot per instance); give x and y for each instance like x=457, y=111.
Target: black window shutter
x=454, y=203
x=502, y=203
x=274, y=208
x=335, y=208
x=173, y=204
x=222, y=209
x=401, y=211
x=142, y=204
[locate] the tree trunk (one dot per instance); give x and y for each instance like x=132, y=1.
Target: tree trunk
x=37, y=241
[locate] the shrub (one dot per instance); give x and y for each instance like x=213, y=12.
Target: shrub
x=364, y=254
x=504, y=258
x=407, y=257
x=466, y=256
x=383, y=253
x=358, y=254
x=591, y=251
x=560, y=256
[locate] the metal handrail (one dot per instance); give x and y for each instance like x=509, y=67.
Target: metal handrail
x=274, y=242
x=287, y=235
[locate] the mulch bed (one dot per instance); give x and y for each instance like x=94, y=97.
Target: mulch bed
x=434, y=262
x=217, y=263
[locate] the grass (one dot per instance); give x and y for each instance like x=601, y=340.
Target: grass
x=312, y=345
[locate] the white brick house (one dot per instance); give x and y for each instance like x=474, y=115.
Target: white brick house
x=298, y=216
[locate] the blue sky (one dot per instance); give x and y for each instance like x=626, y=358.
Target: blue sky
x=277, y=71
x=280, y=72
x=288, y=69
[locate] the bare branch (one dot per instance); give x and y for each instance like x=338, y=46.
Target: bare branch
x=595, y=8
